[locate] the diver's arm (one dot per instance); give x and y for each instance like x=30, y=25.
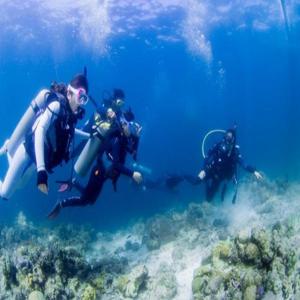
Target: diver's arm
x=212, y=153
x=241, y=161
x=249, y=168
x=48, y=116
x=246, y=167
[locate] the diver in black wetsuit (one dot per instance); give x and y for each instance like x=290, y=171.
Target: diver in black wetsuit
x=108, y=113
x=116, y=149
x=113, y=103
x=221, y=165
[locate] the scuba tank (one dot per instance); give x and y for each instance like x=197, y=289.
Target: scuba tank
x=38, y=104
x=18, y=136
x=92, y=146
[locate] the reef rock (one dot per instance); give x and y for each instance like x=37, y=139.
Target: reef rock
x=131, y=284
x=250, y=268
x=194, y=214
x=162, y=285
x=36, y=295
x=159, y=230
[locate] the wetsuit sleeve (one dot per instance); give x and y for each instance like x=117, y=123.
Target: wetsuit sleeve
x=242, y=163
x=211, y=152
x=46, y=119
x=117, y=161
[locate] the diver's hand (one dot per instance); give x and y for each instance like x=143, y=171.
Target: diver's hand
x=111, y=114
x=137, y=177
x=257, y=175
x=42, y=181
x=202, y=174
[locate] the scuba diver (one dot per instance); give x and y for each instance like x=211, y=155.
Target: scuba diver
x=110, y=107
x=221, y=165
x=43, y=136
x=116, y=148
x=101, y=126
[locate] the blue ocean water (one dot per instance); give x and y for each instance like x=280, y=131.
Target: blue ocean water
x=186, y=67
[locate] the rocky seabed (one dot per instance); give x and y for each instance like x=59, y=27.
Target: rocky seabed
x=248, y=251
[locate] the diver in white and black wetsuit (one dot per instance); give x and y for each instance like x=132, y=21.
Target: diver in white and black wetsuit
x=44, y=146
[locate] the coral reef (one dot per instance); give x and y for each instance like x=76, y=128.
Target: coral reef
x=250, y=267
x=208, y=251
x=131, y=284
x=163, y=284
x=39, y=263
x=159, y=229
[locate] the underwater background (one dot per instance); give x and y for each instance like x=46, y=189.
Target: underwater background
x=186, y=67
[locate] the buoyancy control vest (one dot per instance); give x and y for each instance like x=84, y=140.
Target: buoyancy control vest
x=59, y=135
x=222, y=160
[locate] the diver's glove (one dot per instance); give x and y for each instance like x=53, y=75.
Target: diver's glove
x=258, y=175
x=42, y=177
x=202, y=175
x=137, y=177
x=42, y=181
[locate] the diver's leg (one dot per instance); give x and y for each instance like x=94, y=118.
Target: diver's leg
x=16, y=170
x=72, y=201
x=95, y=184
x=77, y=185
x=88, y=197
x=224, y=188
x=212, y=186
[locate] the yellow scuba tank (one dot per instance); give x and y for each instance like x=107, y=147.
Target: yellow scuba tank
x=92, y=146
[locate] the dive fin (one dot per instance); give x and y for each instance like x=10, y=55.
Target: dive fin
x=55, y=211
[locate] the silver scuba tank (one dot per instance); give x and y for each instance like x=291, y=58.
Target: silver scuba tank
x=27, y=121
x=91, y=149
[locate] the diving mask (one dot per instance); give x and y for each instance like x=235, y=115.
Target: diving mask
x=119, y=102
x=81, y=97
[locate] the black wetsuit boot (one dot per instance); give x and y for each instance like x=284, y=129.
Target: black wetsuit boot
x=89, y=195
